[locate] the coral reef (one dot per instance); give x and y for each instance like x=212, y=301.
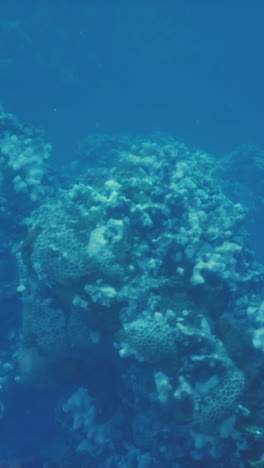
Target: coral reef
x=148, y=261
x=23, y=169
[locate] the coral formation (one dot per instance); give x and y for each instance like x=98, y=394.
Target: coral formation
x=149, y=261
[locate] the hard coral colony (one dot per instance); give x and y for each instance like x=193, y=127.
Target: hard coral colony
x=144, y=265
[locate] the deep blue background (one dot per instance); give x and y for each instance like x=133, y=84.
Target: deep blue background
x=194, y=68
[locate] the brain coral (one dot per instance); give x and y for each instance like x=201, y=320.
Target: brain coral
x=149, y=340
x=217, y=404
x=58, y=256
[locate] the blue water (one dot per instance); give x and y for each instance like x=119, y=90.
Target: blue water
x=192, y=69
x=121, y=74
